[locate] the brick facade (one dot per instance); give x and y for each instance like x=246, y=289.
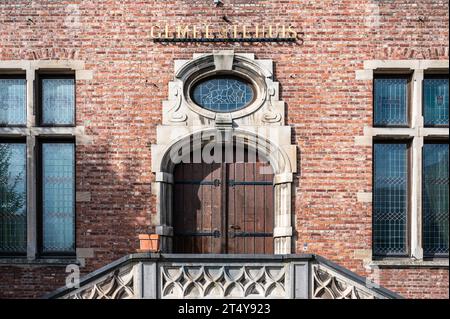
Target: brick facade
x=326, y=107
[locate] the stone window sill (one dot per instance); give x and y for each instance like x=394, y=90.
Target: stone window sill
x=409, y=263
x=15, y=261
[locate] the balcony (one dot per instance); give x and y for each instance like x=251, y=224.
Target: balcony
x=176, y=276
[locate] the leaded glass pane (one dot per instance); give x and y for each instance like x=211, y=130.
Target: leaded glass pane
x=435, y=101
x=391, y=100
x=223, y=94
x=435, y=199
x=58, y=101
x=13, y=102
x=390, y=199
x=13, y=216
x=58, y=197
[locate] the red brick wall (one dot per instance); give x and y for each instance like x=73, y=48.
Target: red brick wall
x=122, y=105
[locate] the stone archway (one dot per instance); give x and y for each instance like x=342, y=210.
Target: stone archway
x=260, y=127
x=283, y=175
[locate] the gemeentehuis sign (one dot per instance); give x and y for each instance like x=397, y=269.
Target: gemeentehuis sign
x=230, y=33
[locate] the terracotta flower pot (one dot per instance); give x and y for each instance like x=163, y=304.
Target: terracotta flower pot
x=149, y=243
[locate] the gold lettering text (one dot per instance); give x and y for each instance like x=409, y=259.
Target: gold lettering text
x=244, y=31
x=182, y=32
x=166, y=31
x=152, y=32
x=292, y=32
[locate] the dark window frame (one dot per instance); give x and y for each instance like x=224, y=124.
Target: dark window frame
x=39, y=198
x=401, y=140
x=39, y=95
x=21, y=76
x=431, y=76
x=437, y=140
x=408, y=77
x=19, y=140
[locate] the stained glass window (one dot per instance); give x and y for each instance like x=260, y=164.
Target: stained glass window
x=435, y=101
x=391, y=101
x=223, y=94
x=390, y=204
x=435, y=199
x=13, y=217
x=58, y=101
x=12, y=101
x=58, y=196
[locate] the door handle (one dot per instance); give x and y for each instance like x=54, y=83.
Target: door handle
x=216, y=182
x=235, y=227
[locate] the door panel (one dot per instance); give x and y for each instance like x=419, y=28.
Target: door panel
x=249, y=212
x=196, y=204
x=250, y=208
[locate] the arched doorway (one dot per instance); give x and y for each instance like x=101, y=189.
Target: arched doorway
x=190, y=111
x=223, y=208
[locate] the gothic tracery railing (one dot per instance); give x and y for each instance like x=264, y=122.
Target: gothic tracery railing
x=163, y=276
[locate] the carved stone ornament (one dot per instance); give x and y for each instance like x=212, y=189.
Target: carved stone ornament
x=238, y=281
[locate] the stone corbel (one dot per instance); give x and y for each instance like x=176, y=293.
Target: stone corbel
x=271, y=116
x=173, y=105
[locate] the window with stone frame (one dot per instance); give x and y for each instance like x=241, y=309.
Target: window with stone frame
x=409, y=147
x=37, y=159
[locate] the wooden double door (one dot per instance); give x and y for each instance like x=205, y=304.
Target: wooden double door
x=223, y=208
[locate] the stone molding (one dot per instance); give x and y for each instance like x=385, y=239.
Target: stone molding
x=32, y=131
x=260, y=125
x=415, y=132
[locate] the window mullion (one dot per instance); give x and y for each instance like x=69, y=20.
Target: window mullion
x=31, y=198
x=416, y=166
x=30, y=169
x=416, y=99
x=30, y=77
x=416, y=198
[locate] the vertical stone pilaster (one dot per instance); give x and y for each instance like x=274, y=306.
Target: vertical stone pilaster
x=149, y=279
x=163, y=188
x=300, y=283
x=283, y=224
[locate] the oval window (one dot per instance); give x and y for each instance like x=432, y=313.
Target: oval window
x=223, y=94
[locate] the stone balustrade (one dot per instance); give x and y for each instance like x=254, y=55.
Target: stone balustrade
x=176, y=276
